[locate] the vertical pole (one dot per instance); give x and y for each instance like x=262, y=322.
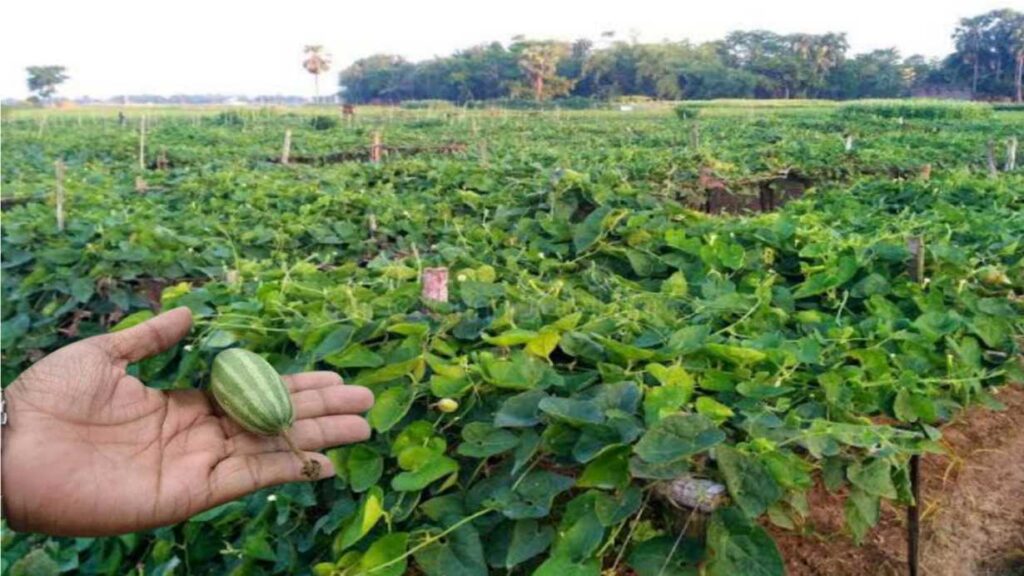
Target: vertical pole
x=993, y=171
x=375, y=148
x=695, y=136
x=915, y=244
x=142, y=143
x=848, y=143
x=1011, y=155
x=58, y=167
x=286, y=150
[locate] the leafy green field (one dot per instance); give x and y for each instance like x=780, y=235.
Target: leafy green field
x=602, y=336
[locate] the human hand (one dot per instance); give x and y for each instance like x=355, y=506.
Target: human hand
x=90, y=451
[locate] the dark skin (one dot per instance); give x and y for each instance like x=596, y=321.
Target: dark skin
x=91, y=451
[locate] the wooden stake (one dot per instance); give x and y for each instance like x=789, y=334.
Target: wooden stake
x=1011, y=155
x=848, y=143
x=993, y=171
x=695, y=136
x=58, y=167
x=286, y=150
x=142, y=143
x=375, y=148
x=915, y=266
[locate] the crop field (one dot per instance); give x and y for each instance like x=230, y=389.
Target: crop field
x=661, y=327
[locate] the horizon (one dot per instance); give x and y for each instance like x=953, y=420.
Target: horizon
x=114, y=48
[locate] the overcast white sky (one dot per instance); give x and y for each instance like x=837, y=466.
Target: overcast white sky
x=113, y=47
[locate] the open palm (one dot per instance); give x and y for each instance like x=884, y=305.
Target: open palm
x=90, y=450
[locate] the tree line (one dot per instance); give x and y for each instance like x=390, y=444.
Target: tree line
x=987, y=63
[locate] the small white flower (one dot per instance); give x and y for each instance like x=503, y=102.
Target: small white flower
x=272, y=498
x=461, y=277
x=541, y=255
x=189, y=347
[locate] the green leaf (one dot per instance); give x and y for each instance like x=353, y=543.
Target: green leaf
x=562, y=566
x=355, y=356
x=533, y=497
x=422, y=466
x=371, y=509
x=613, y=509
x=687, y=340
x=390, y=407
x=675, y=286
x=333, y=343
x=35, y=563
x=544, y=343
x=861, y=512
x=364, y=466
x=516, y=542
x=384, y=550
x=750, y=483
x=674, y=392
x=520, y=411
x=520, y=372
x=586, y=233
x=837, y=274
x=736, y=354
x=713, y=409
x=610, y=470
x=580, y=532
x=739, y=546
x=133, y=320
x=389, y=372
x=513, y=337
x=874, y=478
x=460, y=553
x=576, y=412
x=664, y=556
x=481, y=440
x=678, y=436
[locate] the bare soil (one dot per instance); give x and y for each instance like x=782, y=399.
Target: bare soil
x=972, y=521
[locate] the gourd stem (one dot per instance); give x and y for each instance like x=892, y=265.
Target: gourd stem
x=310, y=468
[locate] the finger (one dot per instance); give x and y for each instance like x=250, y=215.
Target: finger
x=331, y=400
x=151, y=337
x=308, y=434
x=240, y=475
x=311, y=380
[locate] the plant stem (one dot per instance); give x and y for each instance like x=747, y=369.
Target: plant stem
x=431, y=539
x=310, y=468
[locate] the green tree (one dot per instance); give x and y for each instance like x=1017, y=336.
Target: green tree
x=539, y=62
x=317, y=62
x=43, y=80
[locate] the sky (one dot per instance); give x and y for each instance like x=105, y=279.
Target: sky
x=113, y=47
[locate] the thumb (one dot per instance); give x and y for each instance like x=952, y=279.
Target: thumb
x=151, y=337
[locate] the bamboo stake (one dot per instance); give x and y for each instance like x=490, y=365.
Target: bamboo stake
x=142, y=143
x=848, y=143
x=915, y=267
x=59, y=193
x=1011, y=155
x=375, y=148
x=286, y=150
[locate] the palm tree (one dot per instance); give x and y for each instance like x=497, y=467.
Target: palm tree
x=316, y=63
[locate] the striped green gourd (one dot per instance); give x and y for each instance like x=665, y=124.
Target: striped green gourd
x=253, y=394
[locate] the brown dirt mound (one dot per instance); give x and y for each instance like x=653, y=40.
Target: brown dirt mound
x=972, y=520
